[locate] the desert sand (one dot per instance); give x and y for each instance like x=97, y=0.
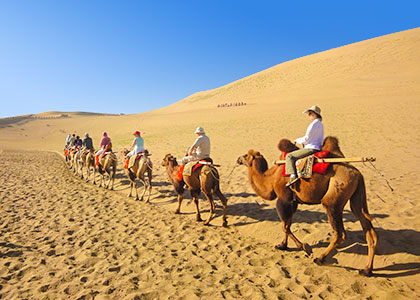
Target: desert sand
x=63, y=238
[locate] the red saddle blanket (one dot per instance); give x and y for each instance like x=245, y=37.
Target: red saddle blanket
x=181, y=169
x=320, y=168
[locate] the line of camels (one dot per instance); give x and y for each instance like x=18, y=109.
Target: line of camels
x=340, y=183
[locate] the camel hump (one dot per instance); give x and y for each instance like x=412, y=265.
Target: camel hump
x=331, y=144
x=285, y=145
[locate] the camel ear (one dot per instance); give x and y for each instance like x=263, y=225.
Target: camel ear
x=285, y=145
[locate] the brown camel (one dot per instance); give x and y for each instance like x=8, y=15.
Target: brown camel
x=87, y=159
x=107, y=165
x=142, y=169
x=74, y=153
x=341, y=182
x=204, y=178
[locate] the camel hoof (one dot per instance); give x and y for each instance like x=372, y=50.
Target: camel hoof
x=199, y=220
x=225, y=224
x=177, y=212
x=365, y=272
x=318, y=261
x=281, y=247
x=307, y=248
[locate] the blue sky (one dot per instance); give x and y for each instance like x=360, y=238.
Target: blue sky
x=135, y=56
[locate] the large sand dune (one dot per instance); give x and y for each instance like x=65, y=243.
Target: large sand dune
x=109, y=247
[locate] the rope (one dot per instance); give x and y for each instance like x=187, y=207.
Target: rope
x=380, y=174
x=230, y=174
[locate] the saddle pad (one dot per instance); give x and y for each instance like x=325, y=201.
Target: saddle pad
x=132, y=161
x=191, y=167
x=320, y=168
x=188, y=168
x=304, y=167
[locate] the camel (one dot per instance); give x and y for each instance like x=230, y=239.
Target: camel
x=87, y=159
x=74, y=153
x=107, y=164
x=341, y=182
x=205, y=179
x=142, y=166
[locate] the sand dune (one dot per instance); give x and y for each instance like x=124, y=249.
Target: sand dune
x=64, y=238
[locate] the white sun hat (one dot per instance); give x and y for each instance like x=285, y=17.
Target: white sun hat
x=200, y=130
x=315, y=109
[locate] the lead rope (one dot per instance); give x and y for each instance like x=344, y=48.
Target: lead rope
x=380, y=174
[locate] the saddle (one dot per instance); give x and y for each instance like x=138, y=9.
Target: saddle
x=130, y=162
x=190, y=167
x=306, y=166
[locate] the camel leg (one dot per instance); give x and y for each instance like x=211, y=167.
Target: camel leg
x=180, y=198
x=149, y=183
x=209, y=197
x=195, y=195
x=285, y=212
x=335, y=217
x=94, y=175
x=144, y=189
x=131, y=190
x=224, y=203
x=371, y=236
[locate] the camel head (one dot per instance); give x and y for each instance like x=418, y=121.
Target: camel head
x=248, y=159
x=169, y=160
x=124, y=152
x=108, y=147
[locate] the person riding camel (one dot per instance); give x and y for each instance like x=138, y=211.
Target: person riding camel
x=72, y=140
x=137, y=145
x=87, y=142
x=78, y=142
x=102, y=145
x=68, y=139
x=312, y=142
x=200, y=149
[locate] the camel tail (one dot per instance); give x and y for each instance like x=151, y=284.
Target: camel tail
x=360, y=196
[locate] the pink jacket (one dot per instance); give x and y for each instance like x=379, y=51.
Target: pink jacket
x=104, y=141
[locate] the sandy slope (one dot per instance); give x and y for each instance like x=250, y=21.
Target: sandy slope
x=369, y=93
x=62, y=238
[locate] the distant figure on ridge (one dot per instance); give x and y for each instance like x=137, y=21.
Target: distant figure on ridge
x=200, y=149
x=312, y=142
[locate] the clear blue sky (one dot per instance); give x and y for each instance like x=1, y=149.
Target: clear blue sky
x=135, y=56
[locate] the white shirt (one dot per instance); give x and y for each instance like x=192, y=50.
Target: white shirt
x=314, y=136
x=202, y=145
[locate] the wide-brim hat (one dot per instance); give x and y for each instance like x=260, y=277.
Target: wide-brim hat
x=136, y=132
x=315, y=109
x=200, y=130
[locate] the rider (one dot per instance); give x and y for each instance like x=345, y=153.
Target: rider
x=68, y=139
x=87, y=142
x=78, y=142
x=200, y=149
x=137, y=145
x=102, y=145
x=312, y=142
x=72, y=140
